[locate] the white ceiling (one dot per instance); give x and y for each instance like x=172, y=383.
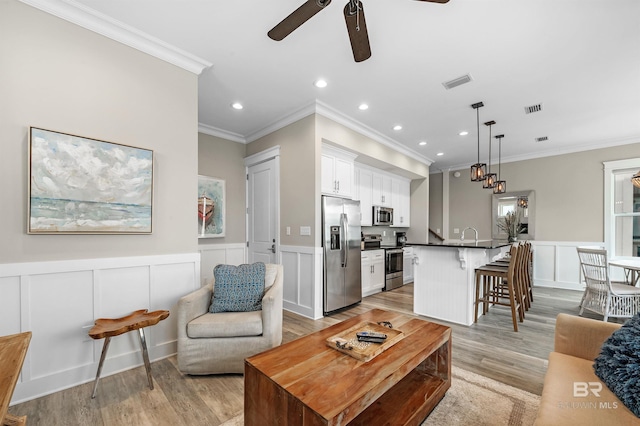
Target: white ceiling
x=579, y=58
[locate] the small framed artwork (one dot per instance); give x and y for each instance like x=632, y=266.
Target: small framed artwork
x=79, y=185
x=211, y=207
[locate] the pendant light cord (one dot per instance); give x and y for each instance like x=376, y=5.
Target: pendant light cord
x=478, y=131
x=489, y=149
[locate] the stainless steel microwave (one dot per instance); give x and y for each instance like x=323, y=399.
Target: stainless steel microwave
x=382, y=215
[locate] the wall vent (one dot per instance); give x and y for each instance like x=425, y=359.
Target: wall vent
x=457, y=81
x=542, y=139
x=532, y=108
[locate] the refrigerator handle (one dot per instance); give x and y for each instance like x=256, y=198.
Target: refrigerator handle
x=344, y=224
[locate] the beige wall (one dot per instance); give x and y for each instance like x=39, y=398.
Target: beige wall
x=569, y=193
x=61, y=77
x=224, y=159
x=298, y=166
x=435, y=206
x=420, y=211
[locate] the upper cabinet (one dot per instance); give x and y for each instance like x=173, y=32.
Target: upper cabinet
x=337, y=172
x=378, y=188
x=401, y=202
x=364, y=193
x=381, y=190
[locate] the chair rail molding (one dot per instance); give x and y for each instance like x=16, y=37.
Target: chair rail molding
x=58, y=301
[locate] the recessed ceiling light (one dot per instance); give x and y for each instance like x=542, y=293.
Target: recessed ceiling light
x=320, y=83
x=463, y=133
x=440, y=154
x=236, y=105
x=397, y=127
x=422, y=143
x=363, y=107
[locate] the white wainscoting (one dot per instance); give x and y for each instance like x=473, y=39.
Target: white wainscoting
x=59, y=301
x=302, y=280
x=556, y=264
x=216, y=254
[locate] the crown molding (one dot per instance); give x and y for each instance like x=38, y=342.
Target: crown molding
x=340, y=118
x=88, y=18
x=283, y=121
x=221, y=133
x=560, y=151
x=317, y=107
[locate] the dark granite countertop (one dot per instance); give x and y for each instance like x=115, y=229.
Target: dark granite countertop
x=486, y=244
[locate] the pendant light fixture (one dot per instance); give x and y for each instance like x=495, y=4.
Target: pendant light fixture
x=635, y=180
x=479, y=169
x=523, y=201
x=501, y=185
x=490, y=178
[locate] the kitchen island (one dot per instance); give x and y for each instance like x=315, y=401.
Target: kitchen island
x=444, y=281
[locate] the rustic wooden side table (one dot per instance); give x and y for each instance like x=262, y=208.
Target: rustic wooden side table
x=106, y=328
x=13, y=350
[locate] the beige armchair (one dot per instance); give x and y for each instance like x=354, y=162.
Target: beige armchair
x=218, y=343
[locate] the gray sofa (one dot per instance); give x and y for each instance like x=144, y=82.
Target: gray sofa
x=218, y=343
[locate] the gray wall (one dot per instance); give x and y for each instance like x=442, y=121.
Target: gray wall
x=224, y=159
x=61, y=77
x=569, y=193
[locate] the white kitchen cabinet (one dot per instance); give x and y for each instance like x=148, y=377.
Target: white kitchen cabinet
x=381, y=190
x=372, y=263
x=401, y=202
x=407, y=266
x=364, y=185
x=337, y=172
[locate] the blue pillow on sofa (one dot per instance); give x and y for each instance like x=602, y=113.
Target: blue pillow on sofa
x=238, y=288
x=618, y=364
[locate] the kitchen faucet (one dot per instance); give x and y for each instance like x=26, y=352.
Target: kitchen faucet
x=474, y=230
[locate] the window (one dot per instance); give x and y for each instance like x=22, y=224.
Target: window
x=622, y=208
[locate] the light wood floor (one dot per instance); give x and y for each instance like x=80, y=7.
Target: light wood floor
x=490, y=348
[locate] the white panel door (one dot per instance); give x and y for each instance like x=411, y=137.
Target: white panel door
x=261, y=193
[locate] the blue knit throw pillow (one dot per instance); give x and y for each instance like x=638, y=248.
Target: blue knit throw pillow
x=238, y=288
x=618, y=364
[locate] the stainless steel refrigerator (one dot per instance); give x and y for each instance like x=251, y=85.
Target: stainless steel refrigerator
x=341, y=246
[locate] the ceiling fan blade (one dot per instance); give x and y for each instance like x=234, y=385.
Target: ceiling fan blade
x=436, y=1
x=297, y=18
x=357, y=29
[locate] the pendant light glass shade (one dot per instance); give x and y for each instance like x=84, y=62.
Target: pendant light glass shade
x=501, y=185
x=635, y=180
x=490, y=178
x=479, y=169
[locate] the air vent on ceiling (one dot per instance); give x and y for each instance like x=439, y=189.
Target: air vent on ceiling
x=542, y=139
x=532, y=108
x=457, y=81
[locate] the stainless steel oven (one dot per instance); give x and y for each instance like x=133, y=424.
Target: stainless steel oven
x=394, y=261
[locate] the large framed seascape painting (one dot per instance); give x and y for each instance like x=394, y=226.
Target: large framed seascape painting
x=211, y=207
x=79, y=185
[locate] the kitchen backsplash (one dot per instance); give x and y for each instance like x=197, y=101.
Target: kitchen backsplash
x=388, y=233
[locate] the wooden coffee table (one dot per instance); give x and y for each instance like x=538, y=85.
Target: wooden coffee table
x=306, y=382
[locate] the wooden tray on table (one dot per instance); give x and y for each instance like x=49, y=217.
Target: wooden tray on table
x=365, y=351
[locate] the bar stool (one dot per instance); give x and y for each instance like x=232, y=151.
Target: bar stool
x=525, y=273
x=106, y=328
x=497, y=285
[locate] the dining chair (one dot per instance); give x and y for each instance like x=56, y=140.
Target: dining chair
x=601, y=295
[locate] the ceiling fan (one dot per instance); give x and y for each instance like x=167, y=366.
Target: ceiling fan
x=353, y=15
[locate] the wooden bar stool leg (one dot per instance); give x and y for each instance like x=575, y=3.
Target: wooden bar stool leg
x=145, y=357
x=105, y=347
